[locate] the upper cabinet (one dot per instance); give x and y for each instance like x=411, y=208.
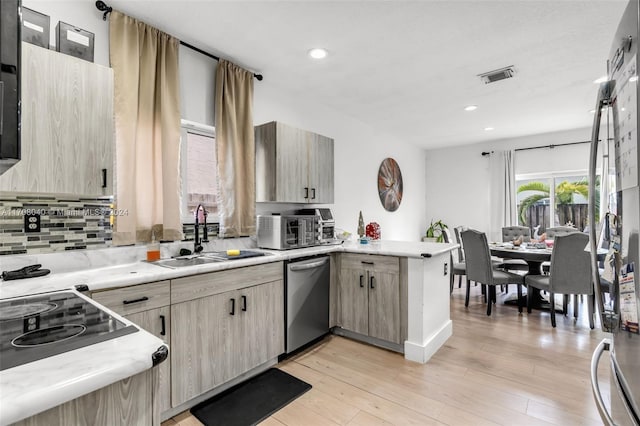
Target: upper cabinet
x=293, y=165
x=67, y=126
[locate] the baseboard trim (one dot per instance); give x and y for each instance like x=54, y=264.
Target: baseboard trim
x=422, y=353
x=368, y=339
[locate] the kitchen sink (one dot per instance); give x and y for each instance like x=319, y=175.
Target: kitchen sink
x=181, y=262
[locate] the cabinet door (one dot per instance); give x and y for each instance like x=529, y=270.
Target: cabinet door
x=292, y=165
x=354, y=299
x=384, y=306
x=320, y=169
x=67, y=125
x=199, y=351
x=157, y=322
x=264, y=323
x=126, y=402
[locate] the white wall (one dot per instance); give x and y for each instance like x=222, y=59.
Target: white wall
x=358, y=149
x=457, y=178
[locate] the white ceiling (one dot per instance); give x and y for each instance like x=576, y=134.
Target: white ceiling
x=408, y=68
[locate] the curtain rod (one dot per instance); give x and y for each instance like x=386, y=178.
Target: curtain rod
x=551, y=146
x=102, y=6
x=484, y=153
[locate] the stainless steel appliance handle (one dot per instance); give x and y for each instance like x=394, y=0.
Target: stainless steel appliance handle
x=604, y=96
x=595, y=387
x=1, y=105
x=307, y=266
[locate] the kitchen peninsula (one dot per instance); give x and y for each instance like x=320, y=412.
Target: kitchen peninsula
x=422, y=312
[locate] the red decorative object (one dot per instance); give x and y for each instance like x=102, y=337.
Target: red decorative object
x=373, y=231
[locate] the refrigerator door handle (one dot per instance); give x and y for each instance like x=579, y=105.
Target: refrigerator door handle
x=604, y=96
x=604, y=345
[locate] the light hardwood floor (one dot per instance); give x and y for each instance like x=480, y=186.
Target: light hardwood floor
x=506, y=369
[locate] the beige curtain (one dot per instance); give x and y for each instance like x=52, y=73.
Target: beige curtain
x=147, y=116
x=236, y=150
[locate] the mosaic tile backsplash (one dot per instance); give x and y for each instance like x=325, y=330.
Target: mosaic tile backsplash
x=66, y=223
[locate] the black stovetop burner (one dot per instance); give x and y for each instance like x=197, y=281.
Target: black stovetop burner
x=43, y=325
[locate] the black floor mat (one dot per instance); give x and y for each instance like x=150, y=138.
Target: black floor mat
x=252, y=401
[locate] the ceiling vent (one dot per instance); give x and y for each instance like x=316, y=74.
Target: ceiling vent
x=497, y=75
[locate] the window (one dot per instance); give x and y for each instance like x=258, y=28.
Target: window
x=198, y=171
x=554, y=199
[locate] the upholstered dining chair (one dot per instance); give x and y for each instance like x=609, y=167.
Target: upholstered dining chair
x=570, y=273
x=510, y=233
x=481, y=270
x=552, y=233
x=458, y=267
x=560, y=230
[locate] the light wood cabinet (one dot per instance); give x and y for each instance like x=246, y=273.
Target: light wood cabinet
x=236, y=324
x=370, y=291
x=146, y=305
x=127, y=402
x=67, y=126
x=293, y=165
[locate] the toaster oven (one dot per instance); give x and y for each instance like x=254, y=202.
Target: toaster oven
x=282, y=232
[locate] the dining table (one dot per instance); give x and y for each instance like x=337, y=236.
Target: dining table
x=534, y=255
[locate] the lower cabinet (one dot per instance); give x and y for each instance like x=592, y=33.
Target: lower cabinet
x=370, y=288
x=218, y=337
x=217, y=325
x=146, y=305
x=127, y=402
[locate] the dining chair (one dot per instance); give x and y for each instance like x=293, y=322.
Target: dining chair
x=510, y=233
x=481, y=270
x=458, y=266
x=551, y=234
x=570, y=273
x=560, y=230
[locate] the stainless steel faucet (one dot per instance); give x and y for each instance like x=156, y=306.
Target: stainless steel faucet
x=197, y=242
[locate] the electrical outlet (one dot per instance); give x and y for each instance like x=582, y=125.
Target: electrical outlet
x=446, y=268
x=32, y=222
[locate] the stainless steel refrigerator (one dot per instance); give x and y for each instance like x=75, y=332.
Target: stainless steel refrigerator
x=617, y=156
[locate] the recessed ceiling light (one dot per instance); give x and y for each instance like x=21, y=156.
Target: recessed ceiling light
x=601, y=79
x=488, y=129
x=318, y=53
x=470, y=107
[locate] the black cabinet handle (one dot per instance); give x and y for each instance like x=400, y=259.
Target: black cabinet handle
x=366, y=263
x=104, y=178
x=371, y=281
x=163, y=332
x=244, y=303
x=313, y=193
x=306, y=192
x=361, y=278
x=142, y=299
x=233, y=307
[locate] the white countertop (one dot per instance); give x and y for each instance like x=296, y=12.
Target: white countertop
x=142, y=272
x=34, y=387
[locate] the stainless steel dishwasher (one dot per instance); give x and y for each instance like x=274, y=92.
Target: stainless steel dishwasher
x=307, y=301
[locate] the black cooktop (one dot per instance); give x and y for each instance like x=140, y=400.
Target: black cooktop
x=43, y=325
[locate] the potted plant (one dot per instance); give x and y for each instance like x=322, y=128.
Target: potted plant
x=435, y=232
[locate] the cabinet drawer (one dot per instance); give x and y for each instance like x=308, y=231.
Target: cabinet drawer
x=372, y=262
x=137, y=298
x=197, y=286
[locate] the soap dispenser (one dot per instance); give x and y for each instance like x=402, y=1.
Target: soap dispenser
x=153, y=249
